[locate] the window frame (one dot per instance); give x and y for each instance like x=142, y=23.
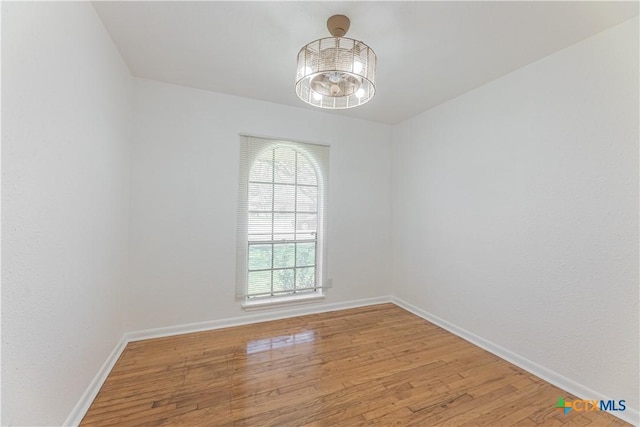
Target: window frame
x=251, y=148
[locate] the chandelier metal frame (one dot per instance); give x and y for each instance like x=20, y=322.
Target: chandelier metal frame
x=336, y=72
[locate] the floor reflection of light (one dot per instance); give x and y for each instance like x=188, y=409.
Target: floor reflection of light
x=266, y=344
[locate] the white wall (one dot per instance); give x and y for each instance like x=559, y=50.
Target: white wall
x=184, y=188
x=515, y=212
x=65, y=163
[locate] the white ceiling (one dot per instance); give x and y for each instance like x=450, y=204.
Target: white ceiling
x=428, y=52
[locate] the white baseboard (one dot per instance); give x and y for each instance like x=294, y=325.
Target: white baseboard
x=630, y=415
x=251, y=318
x=78, y=412
x=81, y=408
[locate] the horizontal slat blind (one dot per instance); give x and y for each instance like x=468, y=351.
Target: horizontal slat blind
x=282, y=217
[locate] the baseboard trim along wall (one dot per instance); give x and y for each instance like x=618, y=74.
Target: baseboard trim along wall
x=81, y=408
x=251, y=318
x=630, y=415
x=75, y=417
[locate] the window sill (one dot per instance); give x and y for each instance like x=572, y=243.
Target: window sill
x=281, y=302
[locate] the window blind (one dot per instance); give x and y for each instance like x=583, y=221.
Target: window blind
x=282, y=218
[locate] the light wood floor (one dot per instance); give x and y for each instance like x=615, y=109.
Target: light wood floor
x=376, y=365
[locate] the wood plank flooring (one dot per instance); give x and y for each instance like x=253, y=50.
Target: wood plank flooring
x=376, y=365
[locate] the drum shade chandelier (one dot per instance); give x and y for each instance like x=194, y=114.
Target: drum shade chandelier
x=336, y=72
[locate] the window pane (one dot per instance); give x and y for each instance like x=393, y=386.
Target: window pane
x=285, y=165
x=284, y=197
x=259, y=257
x=306, y=172
x=259, y=223
x=283, y=279
x=283, y=223
x=307, y=223
x=305, y=277
x=284, y=255
x=307, y=199
x=305, y=254
x=259, y=281
x=260, y=197
x=262, y=169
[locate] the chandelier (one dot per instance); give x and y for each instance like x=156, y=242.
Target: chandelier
x=336, y=72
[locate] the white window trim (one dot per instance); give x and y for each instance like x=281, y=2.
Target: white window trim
x=250, y=148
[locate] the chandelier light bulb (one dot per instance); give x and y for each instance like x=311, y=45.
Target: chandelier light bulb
x=304, y=71
x=360, y=93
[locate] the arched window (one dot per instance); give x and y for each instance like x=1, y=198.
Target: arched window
x=282, y=212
